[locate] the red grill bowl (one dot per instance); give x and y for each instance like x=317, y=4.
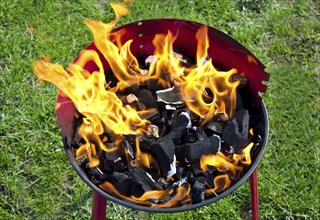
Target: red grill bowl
x=225, y=53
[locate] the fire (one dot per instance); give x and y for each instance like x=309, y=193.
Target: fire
x=221, y=183
x=143, y=160
x=104, y=112
x=226, y=164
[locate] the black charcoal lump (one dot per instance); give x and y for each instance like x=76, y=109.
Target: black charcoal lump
x=163, y=150
x=171, y=96
x=192, y=152
x=144, y=179
x=179, y=127
x=234, y=137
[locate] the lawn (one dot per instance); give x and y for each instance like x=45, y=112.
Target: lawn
x=36, y=179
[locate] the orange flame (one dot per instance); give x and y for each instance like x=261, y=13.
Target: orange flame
x=181, y=193
x=224, y=164
x=221, y=183
x=104, y=112
x=143, y=159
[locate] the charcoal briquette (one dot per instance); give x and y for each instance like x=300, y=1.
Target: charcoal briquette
x=179, y=173
x=190, y=175
x=192, y=152
x=179, y=127
x=146, y=97
x=162, y=181
x=242, y=117
x=146, y=142
x=189, y=137
x=151, y=115
x=171, y=96
x=213, y=127
x=201, y=134
x=123, y=182
x=82, y=160
x=163, y=150
x=232, y=137
x=198, y=194
x=144, y=180
x=180, y=182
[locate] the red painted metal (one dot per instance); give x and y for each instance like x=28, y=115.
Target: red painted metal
x=254, y=195
x=99, y=204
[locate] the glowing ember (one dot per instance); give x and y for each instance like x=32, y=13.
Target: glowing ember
x=125, y=136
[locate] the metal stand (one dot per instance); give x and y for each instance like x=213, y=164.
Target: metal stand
x=99, y=203
x=254, y=195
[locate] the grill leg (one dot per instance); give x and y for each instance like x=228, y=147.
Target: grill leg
x=99, y=205
x=254, y=195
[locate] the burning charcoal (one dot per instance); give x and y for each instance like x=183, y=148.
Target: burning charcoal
x=133, y=89
x=241, y=78
x=198, y=194
x=179, y=173
x=201, y=135
x=189, y=137
x=122, y=182
x=82, y=160
x=145, y=143
x=147, y=98
x=171, y=96
x=232, y=137
x=96, y=181
x=144, y=180
x=170, y=107
x=151, y=115
x=193, y=116
x=144, y=72
x=190, y=175
x=115, y=165
x=153, y=131
x=128, y=148
x=115, y=154
x=179, y=127
x=162, y=181
x=162, y=127
x=133, y=100
x=163, y=150
x=152, y=85
x=180, y=182
x=242, y=118
x=95, y=171
x=213, y=127
x=189, y=153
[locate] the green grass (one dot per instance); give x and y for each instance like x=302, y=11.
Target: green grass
x=36, y=179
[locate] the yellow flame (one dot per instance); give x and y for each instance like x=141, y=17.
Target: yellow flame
x=221, y=183
x=224, y=163
x=143, y=159
x=206, y=92
x=181, y=193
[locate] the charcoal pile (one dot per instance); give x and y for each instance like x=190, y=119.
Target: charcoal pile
x=169, y=157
